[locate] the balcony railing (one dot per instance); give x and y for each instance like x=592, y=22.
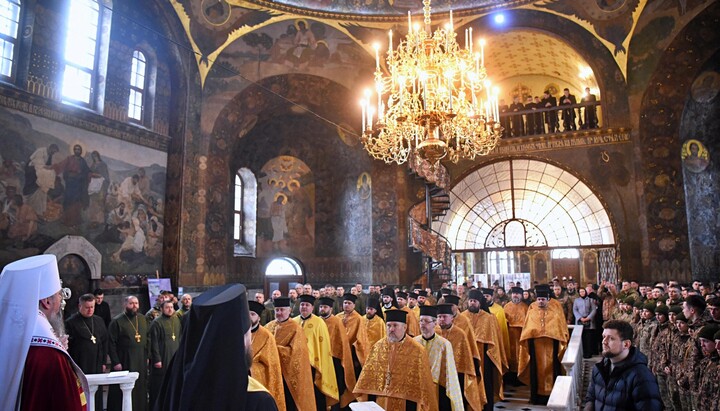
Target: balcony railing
x=550, y=120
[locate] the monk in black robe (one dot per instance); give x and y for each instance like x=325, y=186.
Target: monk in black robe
x=210, y=370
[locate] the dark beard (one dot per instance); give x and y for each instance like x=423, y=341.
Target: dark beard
x=474, y=310
x=370, y=316
x=445, y=326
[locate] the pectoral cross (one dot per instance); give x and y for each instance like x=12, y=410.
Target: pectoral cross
x=173, y=337
x=137, y=337
x=93, y=339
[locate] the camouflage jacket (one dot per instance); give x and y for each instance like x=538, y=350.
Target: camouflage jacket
x=660, y=351
x=646, y=335
x=708, y=388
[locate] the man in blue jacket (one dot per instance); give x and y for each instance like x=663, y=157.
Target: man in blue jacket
x=622, y=380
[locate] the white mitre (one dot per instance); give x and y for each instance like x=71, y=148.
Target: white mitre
x=23, y=284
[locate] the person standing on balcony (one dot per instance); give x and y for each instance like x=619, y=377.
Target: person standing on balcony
x=568, y=114
x=551, y=119
x=590, y=119
x=518, y=124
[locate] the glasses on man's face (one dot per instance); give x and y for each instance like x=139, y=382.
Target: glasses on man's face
x=426, y=321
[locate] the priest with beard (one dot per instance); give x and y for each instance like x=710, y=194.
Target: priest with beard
x=210, y=369
x=88, y=340
x=341, y=352
x=487, y=339
x=412, y=319
x=373, y=322
x=442, y=361
x=129, y=351
x=542, y=344
x=395, y=373
x=515, y=312
x=294, y=358
x=165, y=332
x=467, y=358
x=356, y=333
x=37, y=372
x=318, y=343
x=499, y=313
x=265, y=367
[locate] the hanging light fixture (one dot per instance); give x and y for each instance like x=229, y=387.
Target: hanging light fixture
x=435, y=101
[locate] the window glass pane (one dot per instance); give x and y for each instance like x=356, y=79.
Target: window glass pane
x=76, y=84
x=236, y=225
x=283, y=266
x=135, y=105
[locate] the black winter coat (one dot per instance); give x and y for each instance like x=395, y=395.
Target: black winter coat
x=630, y=386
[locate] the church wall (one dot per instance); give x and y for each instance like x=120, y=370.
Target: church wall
x=658, y=151
x=700, y=126
x=35, y=118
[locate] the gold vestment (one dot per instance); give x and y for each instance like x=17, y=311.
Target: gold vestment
x=294, y=359
x=340, y=349
x=465, y=357
x=318, y=342
x=356, y=334
x=266, y=367
x=515, y=314
x=487, y=334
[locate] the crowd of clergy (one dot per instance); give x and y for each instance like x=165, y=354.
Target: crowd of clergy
x=457, y=349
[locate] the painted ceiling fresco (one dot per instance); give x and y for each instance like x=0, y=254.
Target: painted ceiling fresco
x=380, y=7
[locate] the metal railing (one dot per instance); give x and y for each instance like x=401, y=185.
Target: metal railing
x=567, y=390
x=125, y=379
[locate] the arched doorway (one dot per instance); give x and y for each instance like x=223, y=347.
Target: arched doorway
x=75, y=275
x=527, y=216
x=283, y=273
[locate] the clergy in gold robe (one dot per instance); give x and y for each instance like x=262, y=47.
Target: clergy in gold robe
x=319, y=353
x=373, y=322
x=356, y=333
x=388, y=300
x=499, y=313
x=467, y=359
x=542, y=344
x=515, y=312
x=442, y=362
x=413, y=304
x=294, y=358
x=266, y=367
x=412, y=320
x=396, y=370
x=487, y=339
x=340, y=350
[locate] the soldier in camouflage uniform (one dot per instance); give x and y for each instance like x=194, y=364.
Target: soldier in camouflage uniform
x=693, y=309
x=678, y=368
x=567, y=305
x=660, y=353
x=708, y=387
x=647, y=329
x=635, y=322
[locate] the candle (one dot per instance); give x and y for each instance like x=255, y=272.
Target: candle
x=482, y=52
x=362, y=104
x=470, y=37
x=377, y=56
x=390, y=46
x=451, y=22
x=370, y=117
x=409, y=23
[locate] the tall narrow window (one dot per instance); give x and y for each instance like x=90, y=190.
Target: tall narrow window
x=9, y=23
x=244, y=211
x=81, y=51
x=238, y=215
x=137, y=86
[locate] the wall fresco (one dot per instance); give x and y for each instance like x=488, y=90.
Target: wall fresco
x=58, y=180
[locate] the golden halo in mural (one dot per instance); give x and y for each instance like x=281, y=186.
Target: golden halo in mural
x=695, y=156
x=280, y=195
x=552, y=88
x=297, y=24
x=77, y=143
x=293, y=185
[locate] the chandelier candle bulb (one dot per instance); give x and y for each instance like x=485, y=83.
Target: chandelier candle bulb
x=482, y=52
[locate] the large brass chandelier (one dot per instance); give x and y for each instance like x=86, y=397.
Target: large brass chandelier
x=435, y=100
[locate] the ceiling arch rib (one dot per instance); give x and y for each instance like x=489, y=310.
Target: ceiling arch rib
x=554, y=201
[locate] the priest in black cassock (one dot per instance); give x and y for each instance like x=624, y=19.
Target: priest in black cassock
x=165, y=332
x=210, y=369
x=129, y=351
x=88, y=340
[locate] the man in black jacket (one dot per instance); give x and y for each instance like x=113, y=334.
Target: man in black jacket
x=622, y=380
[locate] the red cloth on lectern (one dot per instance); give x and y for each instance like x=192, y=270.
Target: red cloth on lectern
x=50, y=383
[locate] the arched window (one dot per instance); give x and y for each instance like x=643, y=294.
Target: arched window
x=9, y=25
x=85, y=55
x=138, y=84
x=283, y=266
x=244, y=213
